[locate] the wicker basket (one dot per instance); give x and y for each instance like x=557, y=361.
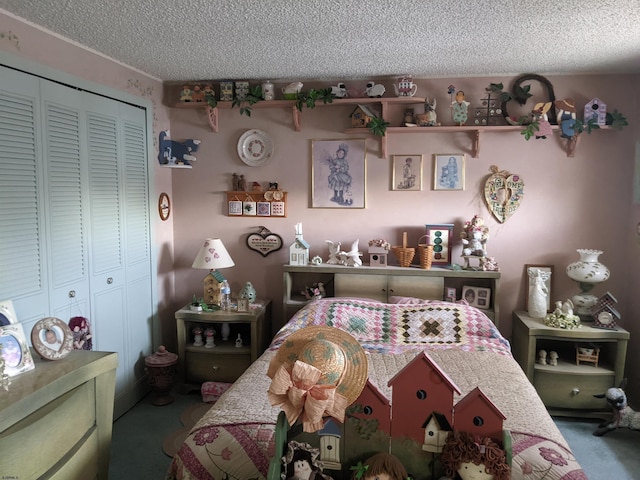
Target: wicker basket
x=425, y=252
x=405, y=255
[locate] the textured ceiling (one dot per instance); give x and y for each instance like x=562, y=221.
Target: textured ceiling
x=347, y=39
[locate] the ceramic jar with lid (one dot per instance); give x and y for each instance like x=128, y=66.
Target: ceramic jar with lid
x=161, y=367
x=268, y=91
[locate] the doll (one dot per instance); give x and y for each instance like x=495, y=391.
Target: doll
x=466, y=457
x=381, y=466
x=81, y=333
x=301, y=462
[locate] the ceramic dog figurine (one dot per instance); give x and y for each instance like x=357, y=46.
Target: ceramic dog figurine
x=623, y=415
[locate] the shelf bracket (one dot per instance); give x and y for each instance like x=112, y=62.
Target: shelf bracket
x=475, y=143
x=571, y=145
x=296, y=118
x=212, y=118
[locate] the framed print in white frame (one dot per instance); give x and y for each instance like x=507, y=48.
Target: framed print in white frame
x=406, y=172
x=15, y=350
x=440, y=236
x=448, y=171
x=338, y=173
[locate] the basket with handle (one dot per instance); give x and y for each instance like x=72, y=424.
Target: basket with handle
x=425, y=253
x=404, y=254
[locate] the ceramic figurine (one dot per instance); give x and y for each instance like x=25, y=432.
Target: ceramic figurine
x=339, y=90
x=334, y=250
x=353, y=255
x=198, y=93
x=238, y=341
x=248, y=292
x=375, y=89
x=429, y=117
x=209, y=333
x=290, y=92
x=185, y=94
x=553, y=358
x=539, y=114
x=538, y=292
x=405, y=86
x=197, y=333
x=459, y=109
x=268, y=91
x=542, y=357
x=566, y=116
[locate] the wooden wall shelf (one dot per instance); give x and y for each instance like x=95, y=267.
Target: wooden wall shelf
x=270, y=203
x=474, y=131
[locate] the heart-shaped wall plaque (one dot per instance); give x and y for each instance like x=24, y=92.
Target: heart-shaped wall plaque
x=264, y=242
x=503, y=193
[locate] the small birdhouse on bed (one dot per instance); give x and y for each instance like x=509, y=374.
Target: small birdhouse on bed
x=361, y=116
x=436, y=430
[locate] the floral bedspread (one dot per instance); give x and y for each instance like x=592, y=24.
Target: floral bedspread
x=235, y=439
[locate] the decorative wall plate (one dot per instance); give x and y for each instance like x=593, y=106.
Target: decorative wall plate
x=255, y=148
x=264, y=242
x=503, y=193
x=52, y=338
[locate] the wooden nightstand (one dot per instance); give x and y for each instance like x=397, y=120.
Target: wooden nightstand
x=225, y=362
x=568, y=388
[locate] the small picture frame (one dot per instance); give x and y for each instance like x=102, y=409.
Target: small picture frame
x=406, y=173
x=52, y=338
x=548, y=284
x=7, y=313
x=15, y=350
x=450, y=294
x=243, y=304
x=479, y=297
x=448, y=171
x=440, y=235
x=235, y=207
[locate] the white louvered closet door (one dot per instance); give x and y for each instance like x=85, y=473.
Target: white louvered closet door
x=74, y=211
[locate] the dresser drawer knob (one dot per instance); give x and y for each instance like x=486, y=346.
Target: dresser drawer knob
x=215, y=368
x=575, y=391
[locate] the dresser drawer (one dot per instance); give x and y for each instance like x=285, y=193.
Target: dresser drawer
x=558, y=390
x=208, y=367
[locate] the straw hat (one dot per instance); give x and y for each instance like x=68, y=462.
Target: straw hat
x=334, y=352
x=568, y=104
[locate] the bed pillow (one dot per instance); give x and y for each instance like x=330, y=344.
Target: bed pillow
x=407, y=300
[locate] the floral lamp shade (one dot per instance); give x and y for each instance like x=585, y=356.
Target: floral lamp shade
x=213, y=255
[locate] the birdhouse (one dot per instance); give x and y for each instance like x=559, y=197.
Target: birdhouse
x=361, y=116
x=374, y=406
x=299, y=252
x=378, y=256
x=477, y=415
x=330, y=436
x=436, y=431
x=596, y=110
x=212, y=284
x=421, y=386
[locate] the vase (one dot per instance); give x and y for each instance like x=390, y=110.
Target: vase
x=587, y=271
x=248, y=292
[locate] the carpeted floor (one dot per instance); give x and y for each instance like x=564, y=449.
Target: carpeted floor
x=138, y=436
x=141, y=436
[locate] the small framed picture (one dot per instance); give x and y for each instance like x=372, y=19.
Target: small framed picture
x=548, y=283
x=15, y=351
x=264, y=209
x=235, y=207
x=479, y=297
x=448, y=171
x=243, y=304
x=440, y=236
x=7, y=313
x=450, y=294
x=52, y=338
x=406, y=172
x=249, y=208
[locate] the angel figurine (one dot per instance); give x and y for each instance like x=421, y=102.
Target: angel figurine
x=334, y=251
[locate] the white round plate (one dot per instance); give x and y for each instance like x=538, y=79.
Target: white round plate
x=255, y=148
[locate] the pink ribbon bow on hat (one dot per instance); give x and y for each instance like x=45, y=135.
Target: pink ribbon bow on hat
x=297, y=393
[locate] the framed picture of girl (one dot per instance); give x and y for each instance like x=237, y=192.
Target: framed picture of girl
x=448, y=171
x=406, y=172
x=338, y=173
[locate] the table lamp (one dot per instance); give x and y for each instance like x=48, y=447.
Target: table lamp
x=213, y=256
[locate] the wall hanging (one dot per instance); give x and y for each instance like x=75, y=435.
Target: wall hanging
x=264, y=242
x=503, y=192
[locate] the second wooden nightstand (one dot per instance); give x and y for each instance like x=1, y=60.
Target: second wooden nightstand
x=568, y=387
x=225, y=362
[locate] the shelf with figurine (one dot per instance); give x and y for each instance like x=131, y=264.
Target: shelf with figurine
x=256, y=202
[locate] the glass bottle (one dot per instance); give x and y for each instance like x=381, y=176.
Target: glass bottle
x=225, y=299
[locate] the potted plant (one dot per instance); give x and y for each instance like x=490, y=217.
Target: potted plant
x=245, y=103
x=308, y=99
x=378, y=126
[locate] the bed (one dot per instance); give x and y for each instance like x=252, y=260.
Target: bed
x=235, y=439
